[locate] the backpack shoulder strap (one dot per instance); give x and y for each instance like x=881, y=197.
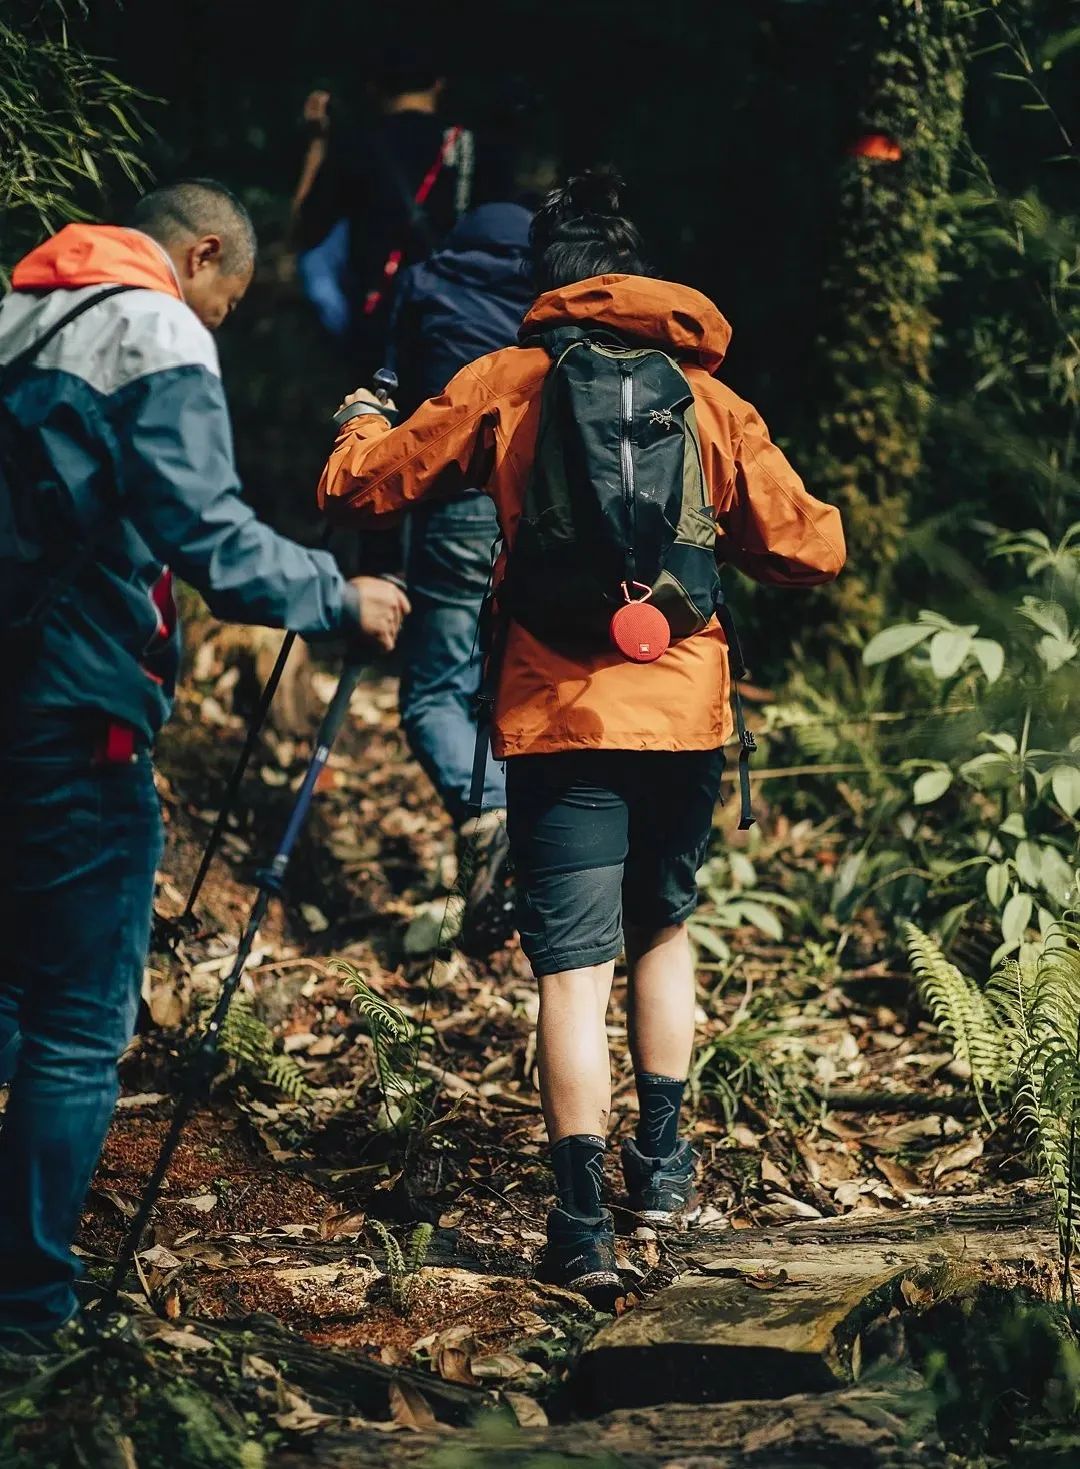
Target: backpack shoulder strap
x=556, y=340
x=13, y=370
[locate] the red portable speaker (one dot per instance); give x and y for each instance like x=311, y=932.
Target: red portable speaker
x=638, y=630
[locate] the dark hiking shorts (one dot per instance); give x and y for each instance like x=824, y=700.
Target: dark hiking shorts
x=596, y=834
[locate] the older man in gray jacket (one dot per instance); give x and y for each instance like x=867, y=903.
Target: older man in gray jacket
x=116, y=468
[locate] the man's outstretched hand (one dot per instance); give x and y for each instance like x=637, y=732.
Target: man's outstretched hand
x=383, y=608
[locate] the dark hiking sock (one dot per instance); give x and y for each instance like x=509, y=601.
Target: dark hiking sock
x=660, y=1099
x=578, y=1162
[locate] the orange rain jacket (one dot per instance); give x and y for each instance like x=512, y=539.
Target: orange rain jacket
x=482, y=431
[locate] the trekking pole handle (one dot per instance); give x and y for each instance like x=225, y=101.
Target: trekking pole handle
x=384, y=385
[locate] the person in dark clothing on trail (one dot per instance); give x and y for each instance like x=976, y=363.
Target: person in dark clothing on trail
x=117, y=455
x=397, y=182
x=467, y=300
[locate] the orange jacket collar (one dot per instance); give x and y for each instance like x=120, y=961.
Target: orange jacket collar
x=94, y=255
x=661, y=313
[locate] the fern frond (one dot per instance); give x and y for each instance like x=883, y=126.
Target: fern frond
x=419, y=1245
x=252, y=1045
x=1048, y=1101
x=395, y=1042
x=403, y=1269
x=964, y=1013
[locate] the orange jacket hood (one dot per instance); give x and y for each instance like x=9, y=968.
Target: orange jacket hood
x=96, y=255
x=661, y=313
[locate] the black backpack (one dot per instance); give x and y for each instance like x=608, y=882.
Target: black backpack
x=616, y=507
x=616, y=510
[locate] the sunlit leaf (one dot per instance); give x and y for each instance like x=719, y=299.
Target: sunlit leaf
x=892, y=641
x=1065, y=784
x=948, y=651
x=1029, y=863
x=1055, y=652
x=997, y=883
x=762, y=918
x=930, y=786
x=1016, y=917
x=991, y=657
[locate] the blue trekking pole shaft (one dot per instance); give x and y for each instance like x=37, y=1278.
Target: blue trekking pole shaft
x=270, y=882
x=266, y=698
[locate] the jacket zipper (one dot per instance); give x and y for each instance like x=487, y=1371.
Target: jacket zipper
x=627, y=460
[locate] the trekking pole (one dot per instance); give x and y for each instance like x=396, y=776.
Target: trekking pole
x=270, y=882
x=232, y=787
x=385, y=384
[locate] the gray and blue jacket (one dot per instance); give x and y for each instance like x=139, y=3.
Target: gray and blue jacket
x=125, y=408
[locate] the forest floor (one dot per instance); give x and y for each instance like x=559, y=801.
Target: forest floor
x=263, y=1299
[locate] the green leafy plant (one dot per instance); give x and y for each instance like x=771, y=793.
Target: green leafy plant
x=251, y=1043
x=964, y=1014
x=731, y=899
x=396, y=1043
x=403, y=1266
x=758, y=1055
x=65, y=120
x=1030, y=786
x=1020, y=1037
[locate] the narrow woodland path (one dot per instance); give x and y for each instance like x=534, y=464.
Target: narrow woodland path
x=839, y=1249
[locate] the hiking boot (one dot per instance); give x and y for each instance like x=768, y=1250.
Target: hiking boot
x=490, y=905
x=661, y=1190
x=580, y=1256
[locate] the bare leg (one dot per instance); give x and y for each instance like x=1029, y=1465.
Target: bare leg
x=661, y=998
x=572, y=1051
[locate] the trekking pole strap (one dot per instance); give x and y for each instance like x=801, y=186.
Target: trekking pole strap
x=747, y=746
x=492, y=634
x=747, y=743
x=485, y=713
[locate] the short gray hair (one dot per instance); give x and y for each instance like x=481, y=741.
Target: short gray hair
x=191, y=208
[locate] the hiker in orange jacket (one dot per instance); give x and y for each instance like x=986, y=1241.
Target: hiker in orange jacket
x=613, y=766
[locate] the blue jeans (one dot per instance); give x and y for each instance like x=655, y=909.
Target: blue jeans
x=80, y=845
x=448, y=567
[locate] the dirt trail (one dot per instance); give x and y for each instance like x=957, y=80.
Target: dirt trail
x=266, y=1231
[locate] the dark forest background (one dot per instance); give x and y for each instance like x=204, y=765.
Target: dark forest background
x=732, y=124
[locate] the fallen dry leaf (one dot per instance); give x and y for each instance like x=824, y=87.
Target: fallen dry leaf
x=502, y=1367
x=902, y=1179
x=410, y=1409
x=526, y=1410
x=952, y=1159
x=160, y=1258
x=766, y=1279
x=771, y=1174
x=201, y=1203
x=451, y=1351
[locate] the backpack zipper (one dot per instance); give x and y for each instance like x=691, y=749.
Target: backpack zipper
x=626, y=398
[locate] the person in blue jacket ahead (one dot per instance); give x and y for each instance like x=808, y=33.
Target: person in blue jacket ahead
x=464, y=301
x=114, y=433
